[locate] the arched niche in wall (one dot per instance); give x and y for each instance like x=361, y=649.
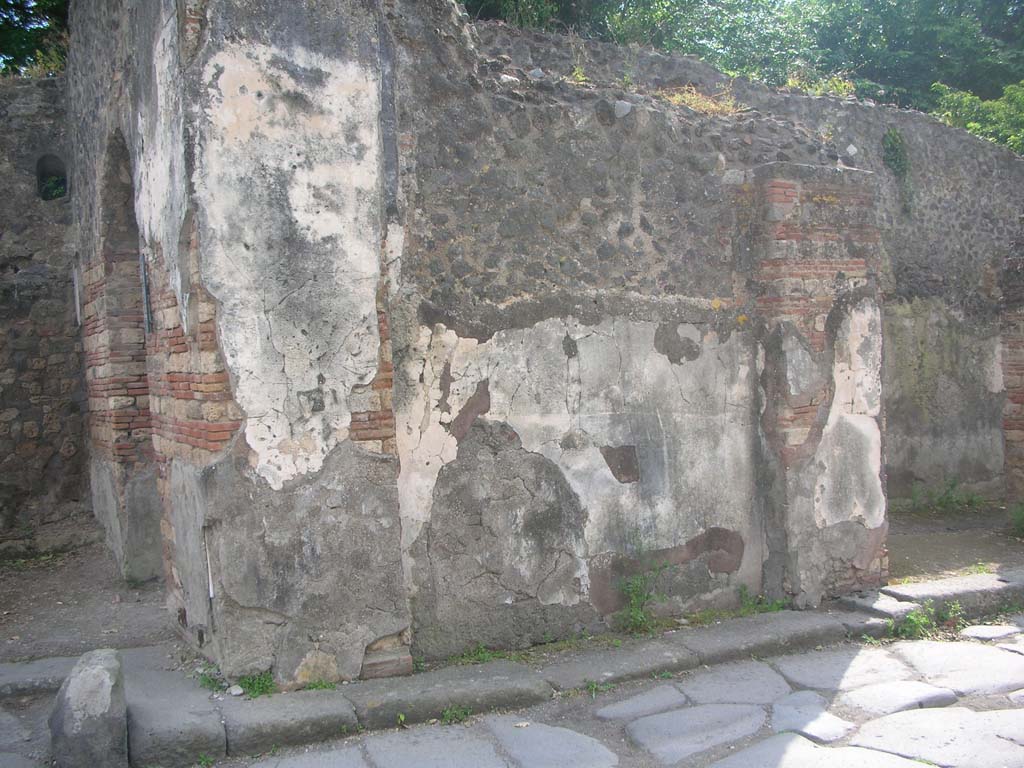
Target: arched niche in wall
x=51, y=177
x=125, y=492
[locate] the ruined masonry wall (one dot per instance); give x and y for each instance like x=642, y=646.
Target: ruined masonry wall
x=945, y=233
x=43, y=495
x=441, y=349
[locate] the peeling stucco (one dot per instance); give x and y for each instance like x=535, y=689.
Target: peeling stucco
x=291, y=243
x=570, y=391
x=849, y=455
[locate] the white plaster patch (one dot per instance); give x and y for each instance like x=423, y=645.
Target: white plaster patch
x=849, y=456
x=693, y=425
x=161, y=183
x=290, y=203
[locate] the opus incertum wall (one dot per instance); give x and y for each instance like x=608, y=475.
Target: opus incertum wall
x=396, y=339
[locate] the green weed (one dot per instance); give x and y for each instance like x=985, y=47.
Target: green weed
x=454, y=714
x=258, y=685
x=481, y=654
x=321, y=685
x=593, y=688
x=204, y=761
x=927, y=621
x=639, y=591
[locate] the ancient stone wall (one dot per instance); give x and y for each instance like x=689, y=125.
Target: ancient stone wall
x=400, y=339
x=946, y=228
x=41, y=394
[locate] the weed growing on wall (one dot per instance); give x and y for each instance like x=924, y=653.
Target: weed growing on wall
x=688, y=96
x=897, y=160
x=639, y=591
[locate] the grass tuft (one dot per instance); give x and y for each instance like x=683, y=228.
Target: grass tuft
x=258, y=685
x=688, y=96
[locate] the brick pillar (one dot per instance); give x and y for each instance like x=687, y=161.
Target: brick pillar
x=122, y=477
x=817, y=256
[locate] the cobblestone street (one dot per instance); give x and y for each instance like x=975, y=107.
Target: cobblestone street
x=941, y=703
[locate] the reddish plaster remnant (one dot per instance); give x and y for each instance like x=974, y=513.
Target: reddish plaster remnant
x=478, y=404
x=623, y=463
x=723, y=548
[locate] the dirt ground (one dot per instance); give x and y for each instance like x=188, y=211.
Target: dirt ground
x=934, y=544
x=74, y=603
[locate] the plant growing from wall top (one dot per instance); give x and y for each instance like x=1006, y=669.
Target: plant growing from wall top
x=897, y=160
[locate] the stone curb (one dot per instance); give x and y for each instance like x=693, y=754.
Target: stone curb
x=39, y=676
x=249, y=727
x=977, y=594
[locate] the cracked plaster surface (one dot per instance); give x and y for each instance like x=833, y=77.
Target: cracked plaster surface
x=290, y=198
x=568, y=390
x=849, y=456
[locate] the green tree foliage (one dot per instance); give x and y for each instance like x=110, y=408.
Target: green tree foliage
x=31, y=32
x=889, y=50
x=1000, y=120
x=896, y=49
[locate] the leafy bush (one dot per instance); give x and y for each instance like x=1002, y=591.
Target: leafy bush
x=1000, y=120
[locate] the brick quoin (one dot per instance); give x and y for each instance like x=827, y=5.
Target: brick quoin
x=819, y=244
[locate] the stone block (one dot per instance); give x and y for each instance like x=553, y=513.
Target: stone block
x=88, y=723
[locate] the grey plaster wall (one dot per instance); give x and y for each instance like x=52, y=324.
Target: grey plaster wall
x=944, y=399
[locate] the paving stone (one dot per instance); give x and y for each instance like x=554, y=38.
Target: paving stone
x=841, y=669
x=636, y=662
x=349, y=757
x=170, y=718
x=12, y=760
x=673, y=736
x=481, y=688
x=1014, y=645
x=878, y=605
x=429, y=747
x=976, y=593
x=967, y=668
x=787, y=750
x=88, y=724
x=806, y=713
x=955, y=737
x=742, y=682
x=989, y=631
x=12, y=731
x=886, y=698
x=40, y=676
x=284, y=720
x=543, y=746
x=659, y=699
x=762, y=635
